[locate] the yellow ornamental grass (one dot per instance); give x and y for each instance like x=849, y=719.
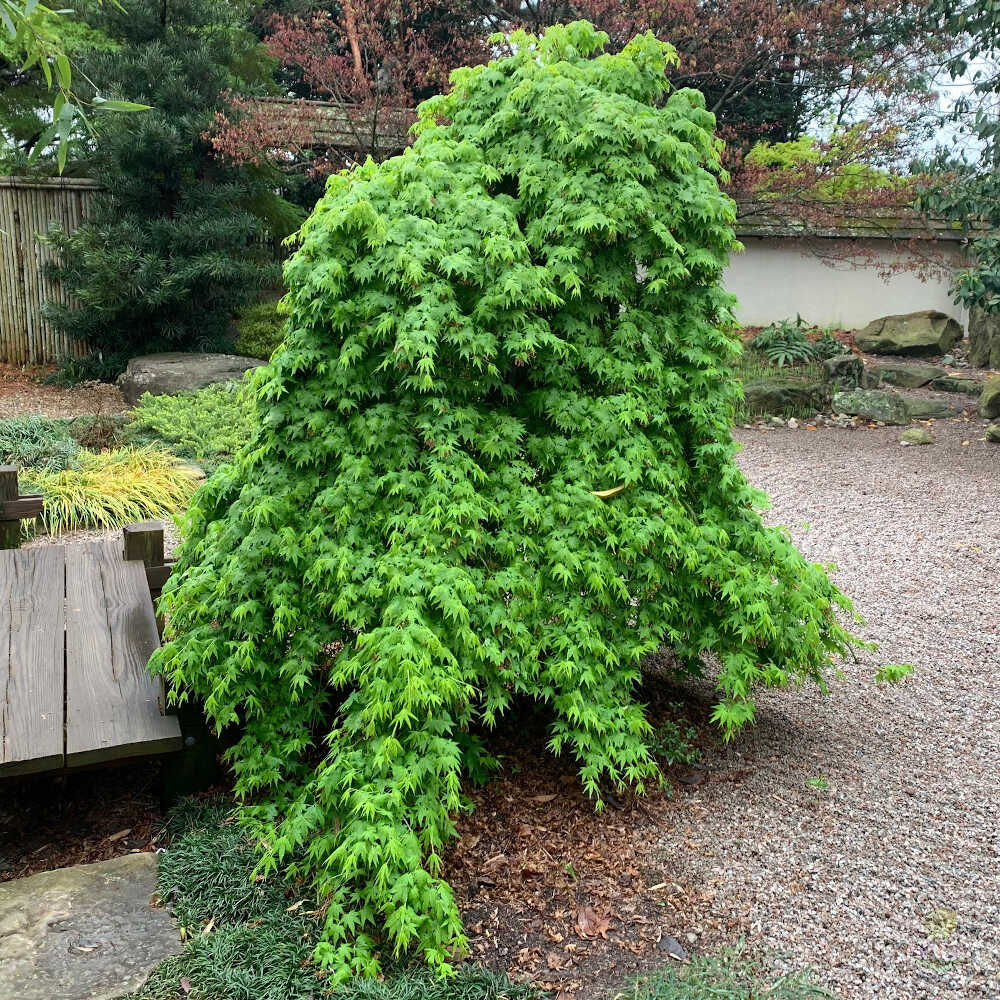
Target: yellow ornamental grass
x=111, y=489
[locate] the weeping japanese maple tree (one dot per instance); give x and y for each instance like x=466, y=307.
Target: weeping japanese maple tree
x=494, y=459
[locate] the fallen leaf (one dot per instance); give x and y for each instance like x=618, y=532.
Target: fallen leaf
x=120, y=835
x=542, y=798
x=207, y=929
x=591, y=925
x=185, y=984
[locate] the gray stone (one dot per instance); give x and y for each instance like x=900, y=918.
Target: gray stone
x=784, y=393
x=872, y=404
x=177, y=371
x=909, y=376
x=916, y=435
x=845, y=369
x=993, y=433
x=948, y=359
x=958, y=383
x=931, y=409
x=916, y=334
x=984, y=339
x=989, y=399
x=672, y=948
x=84, y=933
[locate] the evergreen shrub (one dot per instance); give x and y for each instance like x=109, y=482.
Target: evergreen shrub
x=493, y=459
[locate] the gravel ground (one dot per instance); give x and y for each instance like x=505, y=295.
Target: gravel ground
x=885, y=881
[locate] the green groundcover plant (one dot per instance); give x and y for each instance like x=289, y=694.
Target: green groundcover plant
x=494, y=459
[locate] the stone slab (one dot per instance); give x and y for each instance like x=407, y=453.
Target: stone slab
x=180, y=371
x=83, y=933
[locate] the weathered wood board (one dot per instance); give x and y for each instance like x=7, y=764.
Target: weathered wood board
x=31, y=663
x=113, y=706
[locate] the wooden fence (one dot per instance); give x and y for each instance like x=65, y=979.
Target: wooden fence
x=28, y=207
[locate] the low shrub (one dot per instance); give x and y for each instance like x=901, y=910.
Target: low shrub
x=111, y=489
x=261, y=329
x=783, y=344
x=208, y=426
x=100, y=366
x=99, y=432
x=37, y=442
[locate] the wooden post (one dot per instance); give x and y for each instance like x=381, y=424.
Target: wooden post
x=144, y=541
x=10, y=531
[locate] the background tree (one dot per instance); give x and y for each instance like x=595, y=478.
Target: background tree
x=968, y=187
x=378, y=58
x=493, y=459
x=173, y=242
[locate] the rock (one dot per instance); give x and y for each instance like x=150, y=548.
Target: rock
x=872, y=404
x=783, y=393
x=909, y=376
x=993, y=433
x=916, y=435
x=916, y=334
x=948, y=359
x=672, y=948
x=84, y=933
x=177, y=371
x=989, y=399
x=846, y=369
x=957, y=383
x=931, y=409
x=984, y=339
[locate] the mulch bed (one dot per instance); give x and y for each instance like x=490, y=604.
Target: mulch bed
x=23, y=392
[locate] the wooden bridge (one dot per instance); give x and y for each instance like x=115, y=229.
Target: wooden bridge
x=77, y=628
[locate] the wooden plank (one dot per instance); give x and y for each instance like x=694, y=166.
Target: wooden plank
x=113, y=706
x=10, y=531
x=32, y=585
x=25, y=506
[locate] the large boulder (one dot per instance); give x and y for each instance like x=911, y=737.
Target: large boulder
x=179, y=371
x=920, y=408
x=989, y=399
x=909, y=376
x=918, y=334
x=984, y=339
x=845, y=369
x=783, y=394
x=872, y=404
x=968, y=384
x=993, y=433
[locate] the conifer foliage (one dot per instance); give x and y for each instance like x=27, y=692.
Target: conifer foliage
x=494, y=460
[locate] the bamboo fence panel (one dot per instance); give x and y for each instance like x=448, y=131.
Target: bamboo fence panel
x=28, y=208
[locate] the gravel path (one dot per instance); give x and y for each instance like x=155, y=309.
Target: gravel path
x=886, y=881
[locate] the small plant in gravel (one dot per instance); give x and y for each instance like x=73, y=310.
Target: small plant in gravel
x=730, y=975
x=673, y=743
x=38, y=442
x=492, y=460
x=893, y=673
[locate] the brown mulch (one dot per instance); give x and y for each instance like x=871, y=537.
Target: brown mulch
x=572, y=899
x=22, y=392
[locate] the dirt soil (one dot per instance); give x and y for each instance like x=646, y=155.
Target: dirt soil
x=22, y=392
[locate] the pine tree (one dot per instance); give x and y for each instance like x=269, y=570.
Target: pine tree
x=171, y=247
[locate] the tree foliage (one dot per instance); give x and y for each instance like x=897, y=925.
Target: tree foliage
x=494, y=460
x=968, y=190
x=170, y=247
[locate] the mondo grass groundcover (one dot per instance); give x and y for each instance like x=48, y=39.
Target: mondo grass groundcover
x=111, y=489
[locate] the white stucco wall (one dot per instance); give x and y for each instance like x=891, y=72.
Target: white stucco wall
x=777, y=278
